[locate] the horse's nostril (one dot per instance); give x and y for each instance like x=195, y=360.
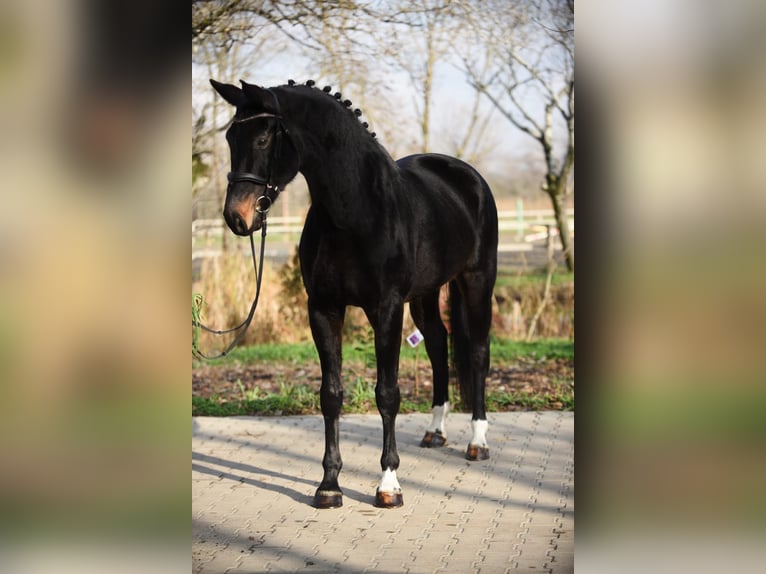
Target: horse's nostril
x=239, y=224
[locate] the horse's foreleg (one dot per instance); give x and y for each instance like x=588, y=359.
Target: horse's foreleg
x=326, y=329
x=387, y=323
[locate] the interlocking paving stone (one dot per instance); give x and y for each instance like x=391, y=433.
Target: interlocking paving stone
x=253, y=479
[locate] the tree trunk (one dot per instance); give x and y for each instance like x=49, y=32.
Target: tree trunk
x=562, y=223
x=428, y=77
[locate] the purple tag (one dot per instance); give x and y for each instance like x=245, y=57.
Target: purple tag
x=415, y=338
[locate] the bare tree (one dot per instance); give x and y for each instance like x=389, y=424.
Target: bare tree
x=421, y=47
x=426, y=38
x=523, y=62
x=232, y=21
x=473, y=143
x=302, y=21
x=348, y=58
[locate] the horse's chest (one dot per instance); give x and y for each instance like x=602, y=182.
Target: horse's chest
x=344, y=277
x=353, y=273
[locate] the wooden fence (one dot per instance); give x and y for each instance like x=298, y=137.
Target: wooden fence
x=520, y=230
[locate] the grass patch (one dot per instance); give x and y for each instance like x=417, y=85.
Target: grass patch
x=269, y=353
x=501, y=350
x=297, y=399
x=506, y=350
x=361, y=400
x=292, y=400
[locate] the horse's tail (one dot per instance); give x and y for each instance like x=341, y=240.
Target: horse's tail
x=460, y=339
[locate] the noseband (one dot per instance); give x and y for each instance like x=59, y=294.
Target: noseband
x=263, y=203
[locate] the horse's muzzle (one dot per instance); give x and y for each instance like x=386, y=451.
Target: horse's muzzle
x=237, y=224
x=241, y=219
x=241, y=216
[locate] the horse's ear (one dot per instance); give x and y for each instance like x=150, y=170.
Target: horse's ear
x=231, y=94
x=256, y=94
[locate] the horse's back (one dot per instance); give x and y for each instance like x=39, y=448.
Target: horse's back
x=442, y=180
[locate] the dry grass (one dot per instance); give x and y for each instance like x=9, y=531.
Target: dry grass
x=515, y=307
x=227, y=284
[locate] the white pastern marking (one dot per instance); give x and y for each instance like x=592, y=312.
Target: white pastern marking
x=388, y=482
x=439, y=421
x=479, y=432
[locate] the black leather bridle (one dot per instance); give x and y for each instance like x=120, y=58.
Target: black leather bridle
x=264, y=203
x=262, y=206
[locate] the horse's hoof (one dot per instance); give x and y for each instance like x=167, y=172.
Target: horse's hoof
x=476, y=452
x=388, y=499
x=433, y=440
x=328, y=499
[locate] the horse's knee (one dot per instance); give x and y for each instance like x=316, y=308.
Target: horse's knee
x=331, y=399
x=387, y=397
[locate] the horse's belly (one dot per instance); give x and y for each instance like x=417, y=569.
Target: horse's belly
x=438, y=262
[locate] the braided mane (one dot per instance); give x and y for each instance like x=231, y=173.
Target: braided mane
x=339, y=98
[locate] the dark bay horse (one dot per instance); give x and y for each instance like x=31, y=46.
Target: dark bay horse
x=379, y=233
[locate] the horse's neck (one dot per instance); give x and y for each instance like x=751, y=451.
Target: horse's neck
x=352, y=184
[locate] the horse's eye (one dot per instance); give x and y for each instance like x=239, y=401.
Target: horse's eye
x=262, y=142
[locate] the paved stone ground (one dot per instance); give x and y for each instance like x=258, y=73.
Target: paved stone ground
x=254, y=478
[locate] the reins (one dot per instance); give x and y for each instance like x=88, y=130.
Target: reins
x=258, y=270
x=262, y=206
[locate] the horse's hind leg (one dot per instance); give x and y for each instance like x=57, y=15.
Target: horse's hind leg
x=326, y=326
x=474, y=289
x=425, y=313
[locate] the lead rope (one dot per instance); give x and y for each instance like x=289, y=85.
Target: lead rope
x=259, y=207
x=258, y=269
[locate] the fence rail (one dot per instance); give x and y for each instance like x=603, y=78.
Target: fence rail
x=519, y=231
